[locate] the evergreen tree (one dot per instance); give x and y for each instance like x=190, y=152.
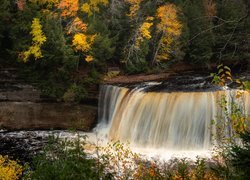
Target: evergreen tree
x=6, y=8
x=201, y=37
x=232, y=39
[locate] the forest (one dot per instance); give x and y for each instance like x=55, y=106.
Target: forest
x=124, y=89
x=65, y=47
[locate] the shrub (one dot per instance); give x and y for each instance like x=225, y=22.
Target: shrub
x=9, y=169
x=240, y=156
x=65, y=160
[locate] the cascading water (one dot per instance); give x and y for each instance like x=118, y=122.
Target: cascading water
x=166, y=120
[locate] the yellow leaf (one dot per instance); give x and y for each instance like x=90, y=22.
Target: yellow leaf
x=170, y=26
x=89, y=58
x=37, y=41
x=82, y=42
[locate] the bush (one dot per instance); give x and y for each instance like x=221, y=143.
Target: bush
x=9, y=169
x=240, y=157
x=65, y=160
x=74, y=94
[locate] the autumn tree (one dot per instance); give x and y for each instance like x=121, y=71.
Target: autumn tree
x=92, y=6
x=168, y=31
x=137, y=48
x=68, y=8
x=38, y=39
x=134, y=6
x=54, y=72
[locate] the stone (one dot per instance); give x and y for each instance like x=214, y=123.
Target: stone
x=32, y=116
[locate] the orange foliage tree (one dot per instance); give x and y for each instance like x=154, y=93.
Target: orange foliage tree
x=69, y=7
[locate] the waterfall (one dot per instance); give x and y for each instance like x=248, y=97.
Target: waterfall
x=169, y=120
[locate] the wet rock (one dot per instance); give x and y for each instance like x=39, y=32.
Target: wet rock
x=178, y=83
x=25, y=145
x=22, y=147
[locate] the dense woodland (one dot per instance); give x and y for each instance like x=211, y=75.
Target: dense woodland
x=66, y=45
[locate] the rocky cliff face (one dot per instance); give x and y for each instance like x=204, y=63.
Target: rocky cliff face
x=22, y=108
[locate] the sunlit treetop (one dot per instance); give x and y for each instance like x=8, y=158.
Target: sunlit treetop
x=169, y=23
x=69, y=7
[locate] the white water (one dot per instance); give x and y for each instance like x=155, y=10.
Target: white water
x=161, y=122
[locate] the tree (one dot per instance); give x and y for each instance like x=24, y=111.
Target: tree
x=232, y=39
x=92, y=6
x=69, y=8
x=38, y=39
x=5, y=23
x=168, y=31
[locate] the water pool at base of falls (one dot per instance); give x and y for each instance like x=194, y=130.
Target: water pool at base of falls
x=26, y=144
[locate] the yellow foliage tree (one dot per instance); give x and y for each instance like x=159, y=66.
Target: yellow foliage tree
x=91, y=6
x=134, y=7
x=9, y=170
x=38, y=39
x=144, y=31
x=83, y=43
x=170, y=28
